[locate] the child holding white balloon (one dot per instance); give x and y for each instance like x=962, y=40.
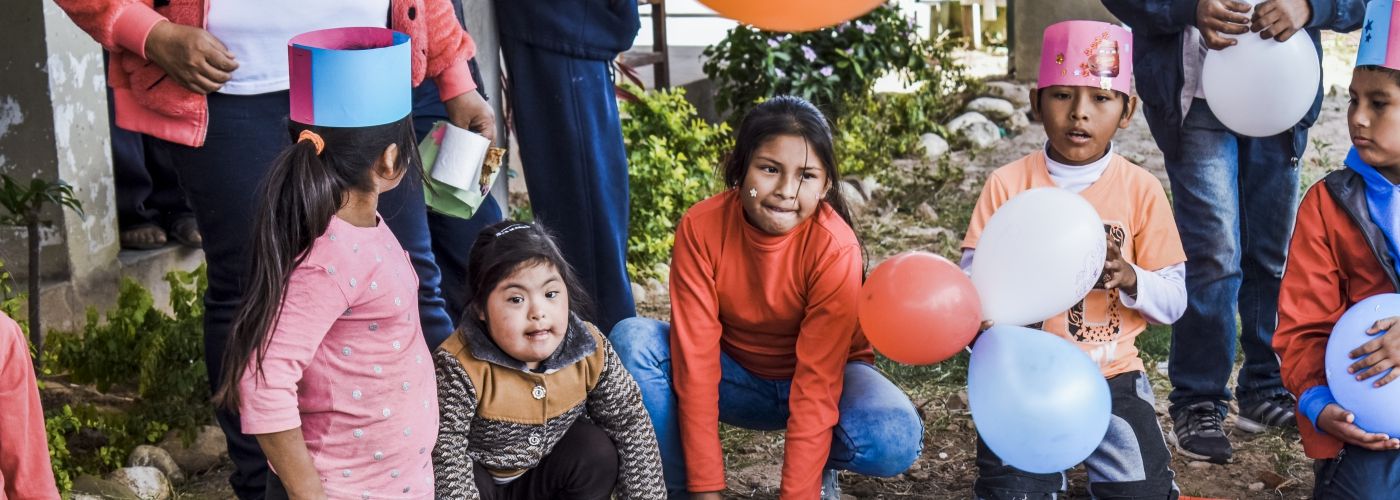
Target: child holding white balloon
x=1344, y=250
x=1083, y=97
x=1234, y=181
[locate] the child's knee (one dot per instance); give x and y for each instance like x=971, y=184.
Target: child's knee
x=885, y=441
x=639, y=339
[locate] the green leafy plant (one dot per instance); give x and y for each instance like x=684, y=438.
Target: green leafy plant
x=10, y=301
x=674, y=158
x=830, y=66
x=879, y=128
x=25, y=204
x=139, y=348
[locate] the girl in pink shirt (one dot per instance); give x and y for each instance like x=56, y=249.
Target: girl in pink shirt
x=327, y=364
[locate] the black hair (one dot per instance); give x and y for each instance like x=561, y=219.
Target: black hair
x=787, y=115
x=1392, y=73
x=505, y=247
x=295, y=203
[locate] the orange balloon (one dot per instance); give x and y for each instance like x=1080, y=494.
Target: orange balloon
x=792, y=15
x=918, y=308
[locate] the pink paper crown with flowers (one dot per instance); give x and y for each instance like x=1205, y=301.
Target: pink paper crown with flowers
x=1087, y=54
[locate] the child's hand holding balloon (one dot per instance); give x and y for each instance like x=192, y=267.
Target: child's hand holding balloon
x=1117, y=272
x=1339, y=423
x=1379, y=354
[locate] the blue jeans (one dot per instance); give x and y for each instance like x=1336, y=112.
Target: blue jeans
x=570, y=140
x=879, y=432
x=1356, y=474
x=1235, y=198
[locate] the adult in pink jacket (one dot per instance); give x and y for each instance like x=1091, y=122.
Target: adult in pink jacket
x=208, y=80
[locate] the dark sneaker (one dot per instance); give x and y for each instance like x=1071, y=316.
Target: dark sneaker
x=1198, y=433
x=831, y=489
x=1275, y=411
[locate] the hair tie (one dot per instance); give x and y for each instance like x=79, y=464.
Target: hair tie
x=510, y=228
x=315, y=138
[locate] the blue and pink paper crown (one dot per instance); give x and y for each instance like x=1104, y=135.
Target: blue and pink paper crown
x=1378, y=39
x=350, y=77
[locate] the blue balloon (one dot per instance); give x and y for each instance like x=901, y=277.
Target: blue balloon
x=1038, y=401
x=1375, y=408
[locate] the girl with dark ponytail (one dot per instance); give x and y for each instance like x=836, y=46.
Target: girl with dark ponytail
x=326, y=363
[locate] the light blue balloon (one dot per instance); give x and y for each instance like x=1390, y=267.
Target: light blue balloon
x=1376, y=409
x=1038, y=401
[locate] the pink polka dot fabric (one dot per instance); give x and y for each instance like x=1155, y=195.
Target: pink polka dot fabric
x=347, y=363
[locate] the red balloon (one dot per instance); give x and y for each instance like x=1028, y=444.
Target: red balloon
x=792, y=15
x=918, y=308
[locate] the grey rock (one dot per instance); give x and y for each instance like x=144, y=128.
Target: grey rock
x=96, y=488
x=981, y=134
x=151, y=456
x=148, y=483
x=206, y=452
x=927, y=212
x=1016, y=93
x=935, y=146
x=870, y=186
x=639, y=292
x=965, y=119
x=992, y=107
x=853, y=195
x=1018, y=122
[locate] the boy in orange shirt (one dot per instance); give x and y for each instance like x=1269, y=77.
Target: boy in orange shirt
x=1343, y=251
x=1083, y=98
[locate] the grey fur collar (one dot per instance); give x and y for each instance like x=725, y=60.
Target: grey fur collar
x=578, y=344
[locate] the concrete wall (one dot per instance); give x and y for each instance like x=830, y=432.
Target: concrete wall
x=479, y=16
x=1028, y=21
x=53, y=126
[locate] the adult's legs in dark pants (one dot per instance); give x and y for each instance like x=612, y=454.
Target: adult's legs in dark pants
x=452, y=237
x=575, y=166
x=147, y=186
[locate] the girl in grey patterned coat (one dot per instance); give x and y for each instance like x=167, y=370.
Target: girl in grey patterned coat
x=534, y=403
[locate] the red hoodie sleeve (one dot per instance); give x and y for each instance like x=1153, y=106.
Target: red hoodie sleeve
x=1310, y=300
x=695, y=332
x=823, y=346
x=450, y=49
x=25, y=473
x=114, y=24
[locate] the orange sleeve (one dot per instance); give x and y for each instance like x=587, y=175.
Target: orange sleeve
x=994, y=194
x=24, y=448
x=1156, y=241
x=114, y=24
x=823, y=346
x=449, y=50
x=695, y=332
x=1311, y=299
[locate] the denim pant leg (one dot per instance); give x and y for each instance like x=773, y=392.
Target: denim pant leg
x=879, y=433
x=423, y=235
x=643, y=347
x=1357, y=474
x=1205, y=196
x=1268, y=205
x=1132, y=462
x=221, y=180
x=566, y=124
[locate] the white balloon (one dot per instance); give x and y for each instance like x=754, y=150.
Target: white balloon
x=1039, y=254
x=1259, y=87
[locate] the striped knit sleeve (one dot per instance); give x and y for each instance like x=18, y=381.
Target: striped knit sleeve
x=615, y=405
x=452, y=466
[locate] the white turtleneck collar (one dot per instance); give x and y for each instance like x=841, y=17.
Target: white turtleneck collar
x=1077, y=178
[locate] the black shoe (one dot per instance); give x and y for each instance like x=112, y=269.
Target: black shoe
x=1273, y=411
x=1198, y=433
